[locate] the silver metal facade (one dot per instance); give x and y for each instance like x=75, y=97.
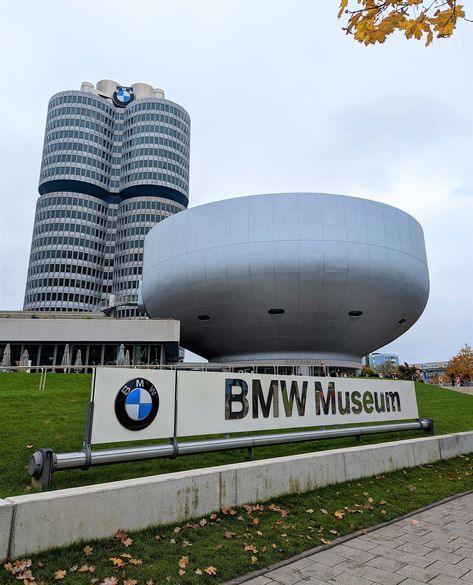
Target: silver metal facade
x=287, y=276
x=108, y=175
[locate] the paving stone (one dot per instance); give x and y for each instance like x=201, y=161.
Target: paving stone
x=441, y=555
x=328, y=558
x=446, y=580
x=322, y=572
x=351, y=579
x=448, y=569
x=424, y=575
x=385, y=563
x=286, y=576
x=385, y=577
x=260, y=581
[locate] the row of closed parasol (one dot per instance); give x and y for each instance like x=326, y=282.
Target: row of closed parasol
x=123, y=358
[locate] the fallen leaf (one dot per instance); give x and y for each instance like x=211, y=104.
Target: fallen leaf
x=126, y=556
x=149, y=582
x=127, y=542
x=94, y=580
x=59, y=575
x=88, y=550
x=110, y=581
x=181, y=572
x=29, y=446
x=323, y=511
x=136, y=562
x=177, y=530
x=339, y=514
x=130, y=582
x=411, y=488
x=183, y=562
x=254, y=559
x=414, y=522
x=309, y=511
x=198, y=572
x=211, y=570
x=229, y=535
x=116, y=562
x=326, y=541
x=203, y=522
x=213, y=517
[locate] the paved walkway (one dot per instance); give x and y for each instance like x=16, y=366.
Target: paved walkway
x=435, y=547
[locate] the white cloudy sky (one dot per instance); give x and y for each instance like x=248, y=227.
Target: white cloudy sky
x=280, y=100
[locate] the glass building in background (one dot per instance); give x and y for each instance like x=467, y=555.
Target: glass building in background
x=115, y=162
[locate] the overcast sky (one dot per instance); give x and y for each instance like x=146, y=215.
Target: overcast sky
x=280, y=100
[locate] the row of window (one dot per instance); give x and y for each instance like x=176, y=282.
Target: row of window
x=76, y=158
x=80, y=147
x=72, y=268
x=161, y=152
x=59, y=296
x=157, y=129
x=78, y=171
x=78, y=122
x=68, y=241
x=83, y=201
x=155, y=117
x=70, y=214
x=77, y=111
x=81, y=99
x=161, y=164
x=68, y=227
x=140, y=105
x=130, y=145
x=134, y=231
x=66, y=254
x=154, y=176
x=77, y=135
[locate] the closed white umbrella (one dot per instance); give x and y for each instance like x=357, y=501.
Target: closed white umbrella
x=121, y=355
x=66, y=358
x=78, y=362
x=24, y=358
x=6, y=359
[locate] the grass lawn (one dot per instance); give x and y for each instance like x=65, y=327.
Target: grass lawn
x=55, y=418
x=233, y=542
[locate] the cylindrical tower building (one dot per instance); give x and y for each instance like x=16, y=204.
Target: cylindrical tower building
x=115, y=162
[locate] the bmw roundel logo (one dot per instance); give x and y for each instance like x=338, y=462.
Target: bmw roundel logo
x=137, y=404
x=123, y=96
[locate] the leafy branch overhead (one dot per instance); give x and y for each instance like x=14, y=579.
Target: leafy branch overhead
x=372, y=21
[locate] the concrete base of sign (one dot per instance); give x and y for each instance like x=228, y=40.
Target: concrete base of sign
x=45, y=520
x=6, y=516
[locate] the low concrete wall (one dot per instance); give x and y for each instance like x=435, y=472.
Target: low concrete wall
x=36, y=522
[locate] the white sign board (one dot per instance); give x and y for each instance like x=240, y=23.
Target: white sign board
x=224, y=402
x=132, y=405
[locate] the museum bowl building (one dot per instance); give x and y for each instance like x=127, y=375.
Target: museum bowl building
x=289, y=278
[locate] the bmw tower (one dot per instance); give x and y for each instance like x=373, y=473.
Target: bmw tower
x=115, y=163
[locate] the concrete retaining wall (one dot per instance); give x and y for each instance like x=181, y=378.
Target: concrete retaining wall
x=39, y=521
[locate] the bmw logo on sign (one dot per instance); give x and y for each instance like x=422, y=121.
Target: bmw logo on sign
x=123, y=96
x=137, y=404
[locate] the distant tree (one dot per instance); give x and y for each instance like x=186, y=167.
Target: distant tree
x=462, y=363
x=367, y=371
x=375, y=20
x=387, y=369
x=407, y=372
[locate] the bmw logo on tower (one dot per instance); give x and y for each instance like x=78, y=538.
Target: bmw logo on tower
x=137, y=404
x=123, y=96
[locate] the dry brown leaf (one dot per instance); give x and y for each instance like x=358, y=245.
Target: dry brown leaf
x=229, y=535
x=136, y=562
x=183, y=562
x=181, y=572
x=88, y=550
x=326, y=541
x=254, y=560
x=130, y=582
x=211, y=570
x=339, y=514
x=110, y=581
x=59, y=575
x=116, y=562
x=126, y=555
x=127, y=542
x=414, y=522
x=198, y=571
x=213, y=517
